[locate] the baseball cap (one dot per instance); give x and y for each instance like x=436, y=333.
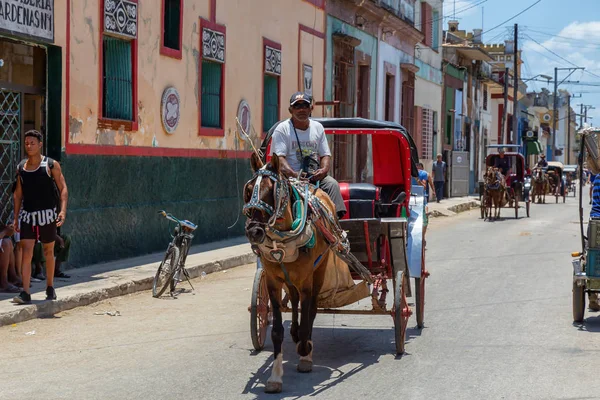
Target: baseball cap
x=300, y=96
x=543, y=155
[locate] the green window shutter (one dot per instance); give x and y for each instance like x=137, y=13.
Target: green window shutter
x=211, y=94
x=172, y=23
x=271, y=101
x=118, y=85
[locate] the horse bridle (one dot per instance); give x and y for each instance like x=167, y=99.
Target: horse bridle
x=280, y=193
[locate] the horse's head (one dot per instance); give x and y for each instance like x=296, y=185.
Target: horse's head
x=490, y=176
x=267, y=200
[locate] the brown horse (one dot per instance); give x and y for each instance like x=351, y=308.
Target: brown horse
x=268, y=198
x=554, y=182
x=496, y=191
x=540, y=185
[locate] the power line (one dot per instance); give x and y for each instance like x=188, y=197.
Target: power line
x=561, y=37
x=561, y=57
x=466, y=9
x=513, y=17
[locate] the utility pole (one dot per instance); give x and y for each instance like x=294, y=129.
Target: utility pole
x=554, y=114
x=569, y=129
x=581, y=116
x=505, y=107
x=515, y=120
x=555, y=104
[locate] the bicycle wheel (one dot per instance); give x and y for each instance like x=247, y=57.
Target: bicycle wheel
x=180, y=266
x=165, y=272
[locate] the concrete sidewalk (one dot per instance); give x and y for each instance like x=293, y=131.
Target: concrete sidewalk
x=452, y=206
x=92, y=284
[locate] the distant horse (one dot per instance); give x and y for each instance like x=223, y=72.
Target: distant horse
x=540, y=185
x=496, y=191
x=554, y=182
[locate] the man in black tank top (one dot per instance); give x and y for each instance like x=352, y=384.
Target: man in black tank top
x=40, y=207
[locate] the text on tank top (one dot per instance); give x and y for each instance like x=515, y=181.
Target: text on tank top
x=39, y=200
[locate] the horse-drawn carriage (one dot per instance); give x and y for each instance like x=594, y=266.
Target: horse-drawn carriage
x=586, y=263
x=504, y=191
x=557, y=182
x=380, y=239
x=570, y=176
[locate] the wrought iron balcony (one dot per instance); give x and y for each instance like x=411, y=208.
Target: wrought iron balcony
x=403, y=9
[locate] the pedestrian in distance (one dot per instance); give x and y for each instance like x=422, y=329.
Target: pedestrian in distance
x=40, y=203
x=439, y=177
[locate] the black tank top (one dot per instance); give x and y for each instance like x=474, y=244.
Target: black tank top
x=38, y=188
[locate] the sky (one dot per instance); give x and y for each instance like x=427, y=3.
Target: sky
x=570, y=29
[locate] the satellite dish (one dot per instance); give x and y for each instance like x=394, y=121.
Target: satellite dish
x=547, y=117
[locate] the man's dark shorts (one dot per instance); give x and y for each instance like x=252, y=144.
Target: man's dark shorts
x=45, y=234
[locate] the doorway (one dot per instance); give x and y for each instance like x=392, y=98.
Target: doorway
x=22, y=107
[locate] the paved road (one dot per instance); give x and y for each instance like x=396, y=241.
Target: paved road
x=498, y=326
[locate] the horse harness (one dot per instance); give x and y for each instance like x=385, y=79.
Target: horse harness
x=309, y=216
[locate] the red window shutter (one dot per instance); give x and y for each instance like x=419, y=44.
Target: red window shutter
x=424, y=20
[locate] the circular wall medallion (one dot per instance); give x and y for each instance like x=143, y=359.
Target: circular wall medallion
x=170, y=109
x=243, y=115
x=459, y=159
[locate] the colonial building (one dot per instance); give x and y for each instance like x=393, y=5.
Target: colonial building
x=370, y=72
x=429, y=80
x=139, y=100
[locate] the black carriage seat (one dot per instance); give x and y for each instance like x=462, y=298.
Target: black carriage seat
x=364, y=200
x=361, y=200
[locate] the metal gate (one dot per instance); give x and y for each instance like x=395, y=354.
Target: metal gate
x=10, y=137
x=460, y=173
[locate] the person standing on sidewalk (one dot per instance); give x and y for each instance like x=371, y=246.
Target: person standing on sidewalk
x=439, y=177
x=42, y=191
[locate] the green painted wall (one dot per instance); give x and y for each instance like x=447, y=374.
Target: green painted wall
x=368, y=46
x=114, y=201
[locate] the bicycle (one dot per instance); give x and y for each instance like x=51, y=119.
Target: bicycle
x=173, y=264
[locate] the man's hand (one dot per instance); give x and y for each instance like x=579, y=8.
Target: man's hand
x=61, y=218
x=15, y=225
x=319, y=174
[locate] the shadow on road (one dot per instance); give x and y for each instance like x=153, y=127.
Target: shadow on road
x=340, y=353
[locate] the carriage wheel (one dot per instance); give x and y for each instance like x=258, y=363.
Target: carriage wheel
x=260, y=310
x=420, y=292
x=401, y=311
x=578, y=302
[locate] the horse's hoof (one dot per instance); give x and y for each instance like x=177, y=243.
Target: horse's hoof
x=273, y=387
x=305, y=366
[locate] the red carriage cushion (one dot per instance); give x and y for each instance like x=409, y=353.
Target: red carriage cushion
x=360, y=199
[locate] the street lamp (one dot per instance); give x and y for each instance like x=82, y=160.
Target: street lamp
x=546, y=77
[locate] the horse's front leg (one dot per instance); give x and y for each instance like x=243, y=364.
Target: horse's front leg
x=305, y=345
x=295, y=299
x=275, y=381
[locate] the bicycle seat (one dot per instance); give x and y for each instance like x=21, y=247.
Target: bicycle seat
x=190, y=225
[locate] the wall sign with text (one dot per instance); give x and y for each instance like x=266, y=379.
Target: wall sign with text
x=29, y=18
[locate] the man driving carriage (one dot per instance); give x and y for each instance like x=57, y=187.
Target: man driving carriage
x=301, y=145
x=502, y=163
x=542, y=163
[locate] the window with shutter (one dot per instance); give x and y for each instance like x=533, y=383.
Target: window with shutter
x=271, y=101
x=212, y=78
x=172, y=26
x=212, y=73
x=426, y=132
x=426, y=23
x=117, y=87
x=436, y=30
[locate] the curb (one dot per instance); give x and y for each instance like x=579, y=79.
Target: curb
x=455, y=209
x=49, y=308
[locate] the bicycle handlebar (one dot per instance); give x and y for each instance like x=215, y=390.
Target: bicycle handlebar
x=169, y=216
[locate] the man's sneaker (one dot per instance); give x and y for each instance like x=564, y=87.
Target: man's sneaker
x=50, y=293
x=22, y=298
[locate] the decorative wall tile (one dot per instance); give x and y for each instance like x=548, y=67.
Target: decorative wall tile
x=272, y=60
x=213, y=45
x=121, y=18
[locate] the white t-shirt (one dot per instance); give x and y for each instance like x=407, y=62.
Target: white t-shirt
x=313, y=142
